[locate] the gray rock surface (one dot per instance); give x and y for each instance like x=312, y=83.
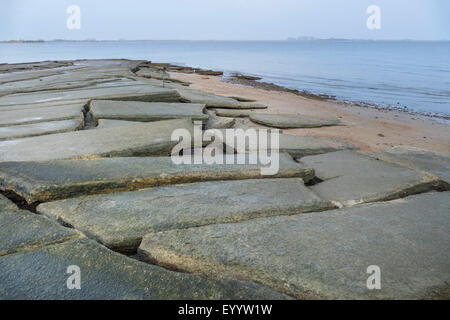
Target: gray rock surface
x=146, y=111
x=299, y=146
x=106, y=123
x=65, y=81
x=41, y=128
x=28, y=66
x=119, y=221
x=217, y=220
x=43, y=114
x=233, y=113
x=418, y=159
x=11, y=77
x=242, y=99
x=42, y=274
x=215, y=122
x=6, y=204
x=59, y=179
x=82, y=74
x=324, y=255
x=32, y=107
x=144, y=139
x=153, y=74
x=215, y=101
x=243, y=124
x=287, y=121
x=350, y=178
x=125, y=93
x=296, y=146
x=22, y=230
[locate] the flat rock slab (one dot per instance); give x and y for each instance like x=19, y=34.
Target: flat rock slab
x=41, y=105
x=105, y=123
x=22, y=230
x=215, y=101
x=351, y=178
x=51, y=180
x=41, y=128
x=45, y=114
x=300, y=146
x=324, y=255
x=28, y=75
x=242, y=99
x=233, y=113
x=296, y=146
x=414, y=158
x=119, y=221
x=42, y=274
x=6, y=204
x=15, y=67
x=125, y=93
x=146, y=111
x=287, y=121
x=66, y=81
x=143, y=139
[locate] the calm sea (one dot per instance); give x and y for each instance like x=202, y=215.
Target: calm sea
x=386, y=73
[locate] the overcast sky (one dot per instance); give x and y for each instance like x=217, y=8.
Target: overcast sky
x=224, y=19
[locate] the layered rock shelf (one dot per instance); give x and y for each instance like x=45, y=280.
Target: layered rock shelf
x=89, y=178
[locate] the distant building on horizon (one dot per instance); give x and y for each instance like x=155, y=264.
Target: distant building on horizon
x=303, y=38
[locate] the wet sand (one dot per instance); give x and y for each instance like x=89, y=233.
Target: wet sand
x=369, y=128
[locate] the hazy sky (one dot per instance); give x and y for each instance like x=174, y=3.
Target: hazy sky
x=224, y=19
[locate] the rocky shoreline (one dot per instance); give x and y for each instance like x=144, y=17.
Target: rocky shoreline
x=86, y=180
x=255, y=82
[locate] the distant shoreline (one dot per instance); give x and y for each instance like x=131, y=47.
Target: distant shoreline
x=256, y=82
x=180, y=40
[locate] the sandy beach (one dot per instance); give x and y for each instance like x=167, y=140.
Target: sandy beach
x=369, y=128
